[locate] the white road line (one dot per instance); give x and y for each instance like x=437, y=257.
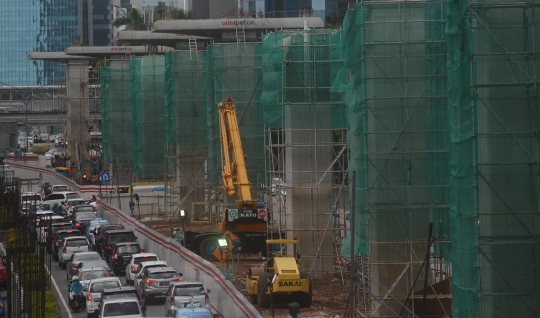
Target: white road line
x=60, y=295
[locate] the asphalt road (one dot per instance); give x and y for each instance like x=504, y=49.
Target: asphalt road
x=60, y=287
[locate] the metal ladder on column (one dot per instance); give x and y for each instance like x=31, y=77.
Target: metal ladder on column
x=241, y=37
x=192, y=47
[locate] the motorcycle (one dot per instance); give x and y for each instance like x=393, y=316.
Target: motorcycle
x=78, y=302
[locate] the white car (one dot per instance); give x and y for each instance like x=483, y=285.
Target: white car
x=71, y=245
x=94, y=289
x=126, y=308
x=136, y=259
x=142, y=266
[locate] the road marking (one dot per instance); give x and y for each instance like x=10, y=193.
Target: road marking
x=60, y=294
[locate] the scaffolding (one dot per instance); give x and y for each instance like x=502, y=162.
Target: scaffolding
x=116, y=116
x=394, y=78
x=305, y=148
x=185, y=132
x=148, y=109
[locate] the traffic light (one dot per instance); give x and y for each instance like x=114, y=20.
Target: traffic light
x=84, y=176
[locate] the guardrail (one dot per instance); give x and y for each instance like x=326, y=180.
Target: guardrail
x=226, y=300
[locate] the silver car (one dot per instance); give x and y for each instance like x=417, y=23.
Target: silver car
x=76, y=258
x=155, y=282
x=184, y=294
x=127, y=308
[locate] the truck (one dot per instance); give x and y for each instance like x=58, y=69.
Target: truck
x=246, y=223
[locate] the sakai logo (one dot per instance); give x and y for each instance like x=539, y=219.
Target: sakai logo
x=238, y=22
x=289, y=284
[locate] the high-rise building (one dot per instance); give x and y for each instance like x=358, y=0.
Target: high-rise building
x=29, y=26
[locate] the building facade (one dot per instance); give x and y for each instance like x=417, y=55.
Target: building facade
x=31, y=26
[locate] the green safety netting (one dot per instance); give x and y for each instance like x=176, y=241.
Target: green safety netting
x=115, y=114
x=234, y=70
x=147, y=82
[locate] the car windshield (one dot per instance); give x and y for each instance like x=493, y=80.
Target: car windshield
x=100, y=286
x=139, y=260
x=85, y=209
x=129, y=249
x=87, y=257
x=59, y=188
x=121, y=309
x=76, y=242
x=120, y=237
x=190, y=290
x=75, y=203
x=163, y=275
x=120, y=295
x=192, y=314
x=87, y=275
x=72, y=196
x=85, y=215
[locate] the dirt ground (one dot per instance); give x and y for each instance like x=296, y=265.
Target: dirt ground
x=329, y=295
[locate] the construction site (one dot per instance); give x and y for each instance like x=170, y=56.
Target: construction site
x=402, y=150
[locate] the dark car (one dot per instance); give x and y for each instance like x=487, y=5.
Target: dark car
x=59, y=237
x=83, y=219
x=100, y=231
x=115, y=236
x=55, y=227
x=121, y=255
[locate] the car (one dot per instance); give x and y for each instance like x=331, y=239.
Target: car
x=30, y=197
x=36, y=217
x=142, y=266
x=76, y=258
x=55, y=227
x=136, y=259
x=124, y=292
x=82, y=220
x=99, y=233
x=127, y=308
x=121, y=255
x=45, y=224
x=184, y=294
x=154, y=282
x=89, y=273
x=43, y=206
x=59, y=237
x=71, y=203
x=51, y=153
x=115, y=236
x=92, y=228
x=61, y=196
x=59, y=187
x=82, y=208
x=88, y=264
x=195, y=312
x=71, y=245
x=94, y=289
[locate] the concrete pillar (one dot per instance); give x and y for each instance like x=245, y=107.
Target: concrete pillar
x=77, y=109
x=309, y=205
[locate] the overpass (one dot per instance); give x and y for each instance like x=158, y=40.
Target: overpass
x=43, y=118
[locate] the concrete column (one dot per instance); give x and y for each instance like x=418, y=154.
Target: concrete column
x=77, y=109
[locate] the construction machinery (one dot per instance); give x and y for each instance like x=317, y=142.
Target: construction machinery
x=279, y=279
x=246, y=224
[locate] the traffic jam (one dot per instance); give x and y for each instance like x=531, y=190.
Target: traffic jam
x=107, y=272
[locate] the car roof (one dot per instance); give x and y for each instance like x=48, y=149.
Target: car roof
x=119, y=289
x=144, y=264
x=141, y=255
x=125, y=243
x=83, y=206
x=75, y=237
x=96, y=268
x=66, y=231
x=101, y=279
x=188, y=283
x=82, y=253
x=158, y=269
x=119, y=231
x=120, y=300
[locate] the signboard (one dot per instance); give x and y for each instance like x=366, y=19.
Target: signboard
x=123, y=189
x=105, y=177
x=229, y=274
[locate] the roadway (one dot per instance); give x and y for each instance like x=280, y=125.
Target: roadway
x=60, y=287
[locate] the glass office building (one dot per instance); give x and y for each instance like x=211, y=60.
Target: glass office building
x=35, y=26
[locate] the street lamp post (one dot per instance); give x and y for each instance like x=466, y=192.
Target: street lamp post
x=136, y=195
x=183, y=218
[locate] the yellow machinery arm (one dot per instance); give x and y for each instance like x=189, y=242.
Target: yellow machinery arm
x=233, y=164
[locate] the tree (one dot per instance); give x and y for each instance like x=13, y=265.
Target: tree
x=135, y=19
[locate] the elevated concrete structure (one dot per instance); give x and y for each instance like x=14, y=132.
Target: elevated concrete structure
x=177, y=41
x=60, y=57
x=118, y=56
x=232, y=30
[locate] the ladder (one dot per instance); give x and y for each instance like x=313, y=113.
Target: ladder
x=192, y=47
x=241, y=37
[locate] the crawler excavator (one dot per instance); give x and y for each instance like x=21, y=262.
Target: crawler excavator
x=248, y=222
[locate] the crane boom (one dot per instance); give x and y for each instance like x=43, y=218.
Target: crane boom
x=233, y=157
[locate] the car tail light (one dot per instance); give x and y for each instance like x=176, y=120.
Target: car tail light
x=177, y=279
x=133, y=269
x=108, y=248
x=89, y=297
x=141, y=302
x=172, y=297
x=206, y=298
x=73, y=265
x=77, y=224
x=150, y=281
x=115, y=256
x=89, y=247
x=1, y=306
x=64, y=249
